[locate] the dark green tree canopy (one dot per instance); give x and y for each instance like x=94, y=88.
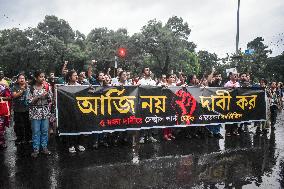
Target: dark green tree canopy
x=164, y=47
x=52, y=26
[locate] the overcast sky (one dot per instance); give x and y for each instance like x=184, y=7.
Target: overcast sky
x=213, y=22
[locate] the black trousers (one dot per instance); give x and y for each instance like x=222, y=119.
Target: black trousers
x=75, y=140
x=231, y=128
x=273, y=115
x=22, y=126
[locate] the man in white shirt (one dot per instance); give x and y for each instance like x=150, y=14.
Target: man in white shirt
x=115, y=79
x=146, y=80
x=233, y=83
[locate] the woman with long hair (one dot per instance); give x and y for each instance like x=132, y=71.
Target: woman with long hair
x=22, y=127
x=39, y=112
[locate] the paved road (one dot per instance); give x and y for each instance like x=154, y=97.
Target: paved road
x=246, y=161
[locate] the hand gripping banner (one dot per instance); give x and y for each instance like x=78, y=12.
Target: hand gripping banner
x=87, y=110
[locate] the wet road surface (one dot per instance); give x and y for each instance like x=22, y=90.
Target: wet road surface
x=246, y=161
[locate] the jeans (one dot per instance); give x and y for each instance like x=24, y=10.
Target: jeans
x=40, y=133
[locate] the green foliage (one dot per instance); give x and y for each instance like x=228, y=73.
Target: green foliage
x=207, y=61
x=256, y=63
x=168, y=45
x=45, y=47
x=274, y=70
x=59, y=28
x=162, y=47
x=188, y=63
x=102, y=45
x=13, y=50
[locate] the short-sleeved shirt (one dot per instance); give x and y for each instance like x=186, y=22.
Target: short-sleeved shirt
x=20, y=104
x=126, y=83
x=231, y=84
x=39, y=109
x=149, y=81
x=275, y=97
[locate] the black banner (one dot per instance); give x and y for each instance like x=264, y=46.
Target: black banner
x=85, y=110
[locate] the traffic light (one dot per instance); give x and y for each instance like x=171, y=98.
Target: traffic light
x=121, y=52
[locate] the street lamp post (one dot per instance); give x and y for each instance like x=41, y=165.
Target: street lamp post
x=237, y=56
x=238, y=27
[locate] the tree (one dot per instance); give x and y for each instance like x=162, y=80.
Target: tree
x=259, y=58
x=102, y=44
x=207, y=60
x=80, y=39
x=275, y=68
x=256, y=62
x=166, y=43
x=13, y=50
x=52, y=26
x=188, y=63
x=45, y=47
x=163, y=47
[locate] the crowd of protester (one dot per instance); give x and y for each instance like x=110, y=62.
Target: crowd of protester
x=28, y=102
